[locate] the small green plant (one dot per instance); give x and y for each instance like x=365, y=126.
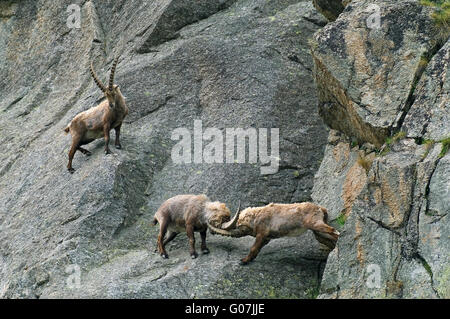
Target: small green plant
x=441, y=17
x=384, y=150
x=397, y=137
x=390, y=141
x=341, y=219
x=312, y=293
x=445, y=146
x=428, y=144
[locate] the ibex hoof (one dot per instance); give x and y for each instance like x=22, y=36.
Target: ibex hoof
x=118, y=147
x=243, y=262
x=194, y=255
x=71, y=170
x=107, y=152
x=165, y=256
x=205, y=251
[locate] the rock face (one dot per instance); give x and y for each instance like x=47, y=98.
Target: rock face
x=357, y=59
x=390, y=205
x=430, y=111
x=229, y=64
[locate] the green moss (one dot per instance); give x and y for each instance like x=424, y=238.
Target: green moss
x=431, y=3
x=312, y=293
x=341, y=219
x=396, y=137
x=441, y=17
x=445, y=146
x=431, y=212
x=384, y=151
x=390, y=141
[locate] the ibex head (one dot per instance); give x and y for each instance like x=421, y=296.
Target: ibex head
x=228, y=228
x=112, y=92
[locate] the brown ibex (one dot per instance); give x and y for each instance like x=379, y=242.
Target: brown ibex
x=278, y=220
x=188, y=213
x=96, y=122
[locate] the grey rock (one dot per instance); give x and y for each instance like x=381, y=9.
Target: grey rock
x=429, y=115
x=365, y=71
x=434, y=243
x=381, y=234
x=373, y=83
x=339, y=178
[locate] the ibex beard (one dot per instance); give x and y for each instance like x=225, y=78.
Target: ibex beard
x=278, y=220
x=96, y=122
x=188, y=213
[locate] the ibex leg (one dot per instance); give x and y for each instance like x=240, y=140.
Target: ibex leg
x=260, y=242
x=72, y=151
x=205, y=249
x=117, y=142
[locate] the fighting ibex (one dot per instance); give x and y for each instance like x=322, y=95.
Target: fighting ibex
x=98, y=121
x=188, y=213
x=278, y=220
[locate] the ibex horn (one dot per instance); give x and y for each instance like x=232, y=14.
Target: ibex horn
x=96, y=80
x=232, y=223
x=219, y=231
x=113, y=70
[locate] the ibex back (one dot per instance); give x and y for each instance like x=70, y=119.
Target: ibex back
x=96, y=122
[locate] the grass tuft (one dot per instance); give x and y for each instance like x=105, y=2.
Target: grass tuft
x=445, y=146
x=441, y=17
x=364, y=162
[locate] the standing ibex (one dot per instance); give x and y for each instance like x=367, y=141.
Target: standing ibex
x=278, y=220
x=98, y=121
x=188, y=213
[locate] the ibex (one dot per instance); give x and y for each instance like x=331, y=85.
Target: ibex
x=278, y=220
x=188, y=213
x=98, y=121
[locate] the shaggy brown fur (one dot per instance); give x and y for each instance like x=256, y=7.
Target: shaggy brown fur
x=280, y=220
x=188, y=213
x=96, y=122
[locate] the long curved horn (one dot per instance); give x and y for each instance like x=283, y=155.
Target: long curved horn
x=233, y=233
x=96, y=80
x=113, y=70
x=219, y=231
x=232, y=223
